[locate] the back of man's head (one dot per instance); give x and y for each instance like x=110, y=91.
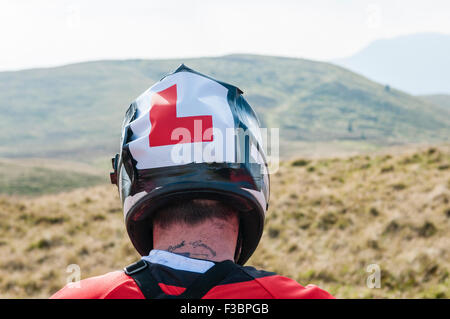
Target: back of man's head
x=199, y=228
x=193, y=212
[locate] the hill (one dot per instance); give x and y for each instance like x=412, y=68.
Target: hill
x=75, y=111
x=44, y=176
x=329, y=218
x=442, y=100
x=416, y=63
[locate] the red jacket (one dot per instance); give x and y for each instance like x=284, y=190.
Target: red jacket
x=175, y=272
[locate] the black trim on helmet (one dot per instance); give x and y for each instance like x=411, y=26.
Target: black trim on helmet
x=219, y=181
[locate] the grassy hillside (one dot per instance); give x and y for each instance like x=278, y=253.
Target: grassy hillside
x=442, y=100
x=75, y=111
x=328, y=220
x=44, y=176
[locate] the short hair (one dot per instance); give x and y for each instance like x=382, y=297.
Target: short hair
x=192, y=212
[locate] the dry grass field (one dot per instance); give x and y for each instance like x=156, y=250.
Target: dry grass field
x=329, y=219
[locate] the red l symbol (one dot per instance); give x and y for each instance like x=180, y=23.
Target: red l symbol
x=163, y=116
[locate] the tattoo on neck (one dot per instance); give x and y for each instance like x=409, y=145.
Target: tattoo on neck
x=193, y=244
x=172, y=248
x=198, y=243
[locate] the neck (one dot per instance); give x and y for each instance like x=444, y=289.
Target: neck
x=213, y=239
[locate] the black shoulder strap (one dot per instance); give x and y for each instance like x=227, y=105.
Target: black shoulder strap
x=140, y=272
x=208, y=280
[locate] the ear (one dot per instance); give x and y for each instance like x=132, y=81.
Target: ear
x=237, y=252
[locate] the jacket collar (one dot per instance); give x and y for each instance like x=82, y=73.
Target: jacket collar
x=177, y=261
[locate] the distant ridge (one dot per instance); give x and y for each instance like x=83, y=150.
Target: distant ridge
x=417, y=63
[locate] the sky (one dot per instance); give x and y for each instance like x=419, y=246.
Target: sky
x=47, y=33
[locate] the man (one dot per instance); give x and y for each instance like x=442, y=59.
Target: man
x=194, y=185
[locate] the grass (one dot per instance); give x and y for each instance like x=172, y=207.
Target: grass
x=334, y=220
x=41, y=176
x=324, y=226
